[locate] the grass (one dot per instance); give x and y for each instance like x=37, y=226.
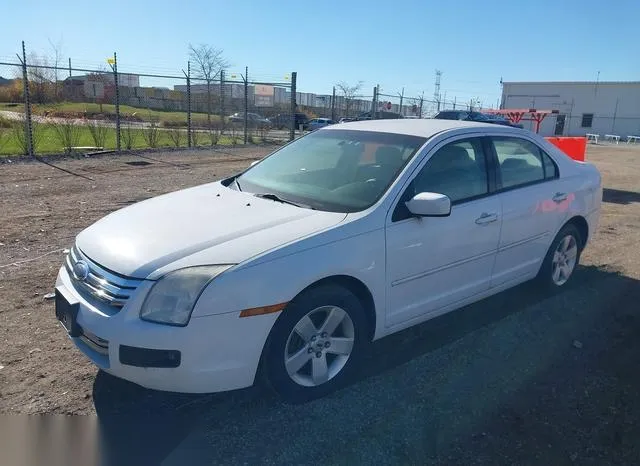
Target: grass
x=49, y=142
x=143, y=114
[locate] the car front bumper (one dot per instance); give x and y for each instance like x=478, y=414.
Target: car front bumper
x=215, y=353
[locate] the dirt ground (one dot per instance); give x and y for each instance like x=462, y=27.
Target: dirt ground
x=516, y=379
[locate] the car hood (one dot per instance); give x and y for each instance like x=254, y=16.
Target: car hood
x=212, y=223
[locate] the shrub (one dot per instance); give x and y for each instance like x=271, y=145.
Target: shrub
x=5, y=134
x=36, y=136
x=195, y=137
x=128, y=136
x=68, y=135
x=150, y=135
x=175, y=135
x=5, y=122
x=98, y=134
x=214, y=136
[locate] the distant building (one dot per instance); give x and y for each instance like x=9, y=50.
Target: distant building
x=584, y=107
x=124, y=79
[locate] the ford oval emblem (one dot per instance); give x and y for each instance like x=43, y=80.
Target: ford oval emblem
x=81, y=270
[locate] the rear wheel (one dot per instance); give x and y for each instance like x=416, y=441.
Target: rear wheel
x=315, y=344
x=562, y=259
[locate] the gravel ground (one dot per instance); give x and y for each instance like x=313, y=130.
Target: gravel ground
x=518, y=378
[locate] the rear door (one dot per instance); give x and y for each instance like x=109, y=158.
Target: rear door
x=532, y=201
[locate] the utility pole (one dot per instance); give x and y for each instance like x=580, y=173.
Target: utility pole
x=436, y=93
x=401, y=97
x=69, y=66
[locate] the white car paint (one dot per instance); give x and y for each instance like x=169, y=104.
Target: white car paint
x=414, y=269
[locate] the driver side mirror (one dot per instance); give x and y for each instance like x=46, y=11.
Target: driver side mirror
x=429, y=205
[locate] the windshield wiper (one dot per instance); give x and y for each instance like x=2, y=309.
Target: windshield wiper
x=275, y=197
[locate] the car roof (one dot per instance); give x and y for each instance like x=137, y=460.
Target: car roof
x=417, y=127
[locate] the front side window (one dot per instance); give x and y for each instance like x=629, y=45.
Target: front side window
x=457, y=170
x=324, y=170
x=519, y=160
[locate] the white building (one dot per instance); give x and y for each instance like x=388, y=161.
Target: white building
x=584, y=107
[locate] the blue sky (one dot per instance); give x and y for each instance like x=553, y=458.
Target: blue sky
x=395, y=44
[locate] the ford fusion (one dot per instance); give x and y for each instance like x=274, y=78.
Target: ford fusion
x=287, y=271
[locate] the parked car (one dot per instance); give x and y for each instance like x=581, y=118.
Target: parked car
x=317, y=123
x=291, y=268
x=465, y=115
x=379, y=115
x=253, y=120
x=500, y=120
x=283, y=120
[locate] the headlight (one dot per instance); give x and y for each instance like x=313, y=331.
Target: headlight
x=172, y=298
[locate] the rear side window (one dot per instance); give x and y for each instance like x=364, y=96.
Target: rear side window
x=520, y=161
x=550, y=169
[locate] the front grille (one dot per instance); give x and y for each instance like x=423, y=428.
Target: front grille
x=99, y=282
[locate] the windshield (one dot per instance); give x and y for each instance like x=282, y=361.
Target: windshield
x=333, y=170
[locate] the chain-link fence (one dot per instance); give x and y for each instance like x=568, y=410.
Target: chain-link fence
x=46, y=107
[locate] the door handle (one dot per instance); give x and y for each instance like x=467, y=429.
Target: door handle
x=486, y=218
x=560, y=197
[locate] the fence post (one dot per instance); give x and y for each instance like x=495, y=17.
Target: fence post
x=401, y=98
x=246, y=102
x=189, y=104
x=222, y=109
x=115, y=80
x=28, y=130
x=374, y=102
x=292, y=130
x=333, y=104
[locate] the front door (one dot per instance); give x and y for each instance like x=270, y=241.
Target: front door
x=560, y=119
x=438, y=261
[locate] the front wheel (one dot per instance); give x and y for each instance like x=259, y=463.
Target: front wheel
x=316, y=343
x=561, y=260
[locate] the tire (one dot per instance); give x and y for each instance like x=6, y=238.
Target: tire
x=322, y=364
x=549, y=277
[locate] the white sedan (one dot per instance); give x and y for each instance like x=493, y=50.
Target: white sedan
x=291, y=268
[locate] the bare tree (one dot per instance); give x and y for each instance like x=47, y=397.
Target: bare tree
x=208, y=62
x=57, y=57
x=40, y=77
x=349, y=92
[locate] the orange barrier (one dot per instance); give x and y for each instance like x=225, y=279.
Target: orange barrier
x=574, y=147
